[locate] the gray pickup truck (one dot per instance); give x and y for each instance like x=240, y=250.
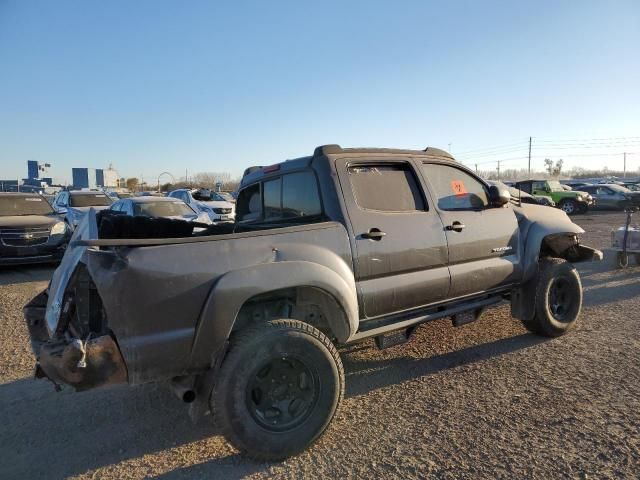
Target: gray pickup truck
x=244, y=319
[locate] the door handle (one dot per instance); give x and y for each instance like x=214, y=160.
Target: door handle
x=373, y=234
x=455, y=226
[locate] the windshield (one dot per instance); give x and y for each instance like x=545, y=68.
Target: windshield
x=619, y=188
x=227, y=196
x=90, y=200
x=20, y=205
x=555, y=186
x=163, y=209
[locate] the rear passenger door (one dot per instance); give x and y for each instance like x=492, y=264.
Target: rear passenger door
x=399, y=241
x=483, y=240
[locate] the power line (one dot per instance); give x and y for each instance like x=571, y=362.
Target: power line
x=485, y=149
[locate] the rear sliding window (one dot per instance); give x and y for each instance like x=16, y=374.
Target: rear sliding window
x=291, y=196
x=386, y=188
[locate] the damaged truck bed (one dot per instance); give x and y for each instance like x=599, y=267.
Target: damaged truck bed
x=243, y=320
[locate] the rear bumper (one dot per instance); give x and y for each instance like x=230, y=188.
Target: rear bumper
x=82, y=363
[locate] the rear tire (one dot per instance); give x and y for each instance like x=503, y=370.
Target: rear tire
x=278, y=389
x=558, y=298
x=570, y=207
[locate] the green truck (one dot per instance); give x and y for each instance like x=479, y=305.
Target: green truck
x=569, y=201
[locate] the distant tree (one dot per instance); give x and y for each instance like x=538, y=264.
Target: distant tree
x=132, y=183
x=553, y=170
x=210, y=179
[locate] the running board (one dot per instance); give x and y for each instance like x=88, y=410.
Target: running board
x=374, y=328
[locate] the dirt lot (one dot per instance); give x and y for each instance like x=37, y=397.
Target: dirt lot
x=487, y=400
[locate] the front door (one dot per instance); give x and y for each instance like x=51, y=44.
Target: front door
x=483, y=241
x=398, y=238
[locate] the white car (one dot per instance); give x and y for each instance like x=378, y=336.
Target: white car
x=163, y=207
x=206, y=201
x=74, y=204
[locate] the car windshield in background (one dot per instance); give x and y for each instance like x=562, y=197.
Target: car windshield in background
x=163, y=209
x=90, y=200
x=226, y=196
x=619, y=188
x=555, y=186
x=208, y=196
x=24, y=206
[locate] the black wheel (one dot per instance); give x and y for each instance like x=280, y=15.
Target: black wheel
x=622, y=260
x=278, y=389
x=558, y=299
x=569, y=207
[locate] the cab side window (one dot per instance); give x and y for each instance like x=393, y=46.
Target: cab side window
x=454, y=188
x=386, y=188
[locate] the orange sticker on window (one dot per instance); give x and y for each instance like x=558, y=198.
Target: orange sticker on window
x=458, y=187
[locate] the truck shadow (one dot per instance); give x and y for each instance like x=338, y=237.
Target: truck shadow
x=54, y=435
x=365, y=376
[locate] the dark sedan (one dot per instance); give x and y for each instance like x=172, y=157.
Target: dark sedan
x=612, y=196
x=30, y=231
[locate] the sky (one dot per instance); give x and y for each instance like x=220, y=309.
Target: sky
x=153, y=86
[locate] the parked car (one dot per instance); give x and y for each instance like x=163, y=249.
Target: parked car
x=524, y=197
x=30, y=231
x=74, y=204
x=246, y=323
x=206, y=201
x=160, y=207
x=576, y=185
x=571, y=202
x=613, y=196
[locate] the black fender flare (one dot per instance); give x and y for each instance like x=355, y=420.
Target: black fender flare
x=233, y=289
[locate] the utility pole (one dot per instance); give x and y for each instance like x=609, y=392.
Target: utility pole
x=476, y=168
x=624, y=175
x=529, y=158
x=449, y=147
x=498, y=170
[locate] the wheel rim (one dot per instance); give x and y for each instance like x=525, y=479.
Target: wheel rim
x=567, y=207
x=281, y=393
x=560, y=299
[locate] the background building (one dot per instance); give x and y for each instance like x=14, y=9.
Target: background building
x=87, y=177
x=111, y=177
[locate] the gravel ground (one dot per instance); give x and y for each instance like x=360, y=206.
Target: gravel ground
x=487, y=400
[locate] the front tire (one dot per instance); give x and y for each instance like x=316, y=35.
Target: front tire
x=278, y=389
x=570, y=207
x=558, y=298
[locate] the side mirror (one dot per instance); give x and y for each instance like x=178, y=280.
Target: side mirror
x=498, y=196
